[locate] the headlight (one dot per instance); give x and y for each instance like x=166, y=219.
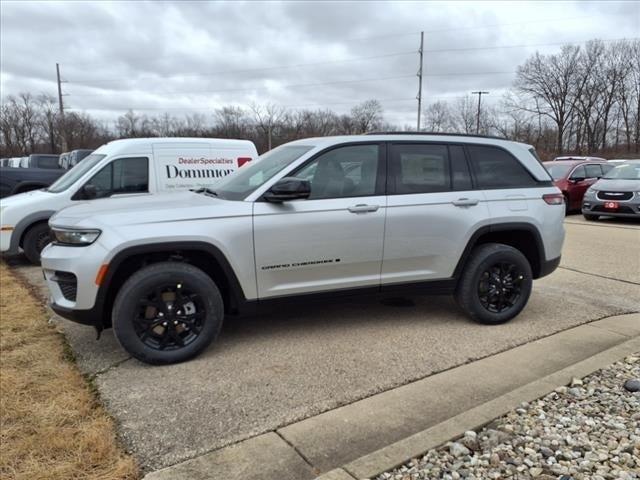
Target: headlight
x=591, y=191
x=68, y=236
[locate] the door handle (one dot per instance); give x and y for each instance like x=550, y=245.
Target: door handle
x=465, y=202
x=362, y=208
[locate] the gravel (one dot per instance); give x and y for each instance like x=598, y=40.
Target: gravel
x=587, y=430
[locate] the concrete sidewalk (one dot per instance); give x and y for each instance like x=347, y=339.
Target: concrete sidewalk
x=377, y=433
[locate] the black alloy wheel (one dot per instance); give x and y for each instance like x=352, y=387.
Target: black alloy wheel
x=169, y=317
x=500, y=287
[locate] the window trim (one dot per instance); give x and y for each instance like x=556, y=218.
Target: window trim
x=77, y=194
x=381, y=174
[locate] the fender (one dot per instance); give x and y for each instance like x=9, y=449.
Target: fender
x=24, y=224
x=502, y=227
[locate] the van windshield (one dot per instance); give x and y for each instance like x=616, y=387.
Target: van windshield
x=72, y=176
x=245, y=180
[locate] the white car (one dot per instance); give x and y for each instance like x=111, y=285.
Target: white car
x=317, y=218
x=131, y=168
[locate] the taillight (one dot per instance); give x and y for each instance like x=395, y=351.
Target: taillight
x=553, y=198
x=243, y=160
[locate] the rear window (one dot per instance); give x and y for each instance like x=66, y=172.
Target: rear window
x=496, y=168
x=48, y=162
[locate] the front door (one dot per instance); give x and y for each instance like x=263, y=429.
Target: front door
x=332, y=240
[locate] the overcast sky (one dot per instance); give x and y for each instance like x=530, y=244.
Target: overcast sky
x=197, y=56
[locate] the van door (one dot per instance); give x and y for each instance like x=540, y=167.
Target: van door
x=121, y=176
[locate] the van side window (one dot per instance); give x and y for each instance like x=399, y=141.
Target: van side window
x=125, y=175
x=496, y=168
x=419, y=168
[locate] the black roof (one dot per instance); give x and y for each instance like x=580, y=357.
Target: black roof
x=438, y=134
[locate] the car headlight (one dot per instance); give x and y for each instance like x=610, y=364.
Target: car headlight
x=591, y=191
x=77, y=237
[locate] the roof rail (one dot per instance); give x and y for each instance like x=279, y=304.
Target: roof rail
x=437, y=134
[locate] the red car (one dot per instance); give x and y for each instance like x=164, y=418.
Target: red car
x=573, y=177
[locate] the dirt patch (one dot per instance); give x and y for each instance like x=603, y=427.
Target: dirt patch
x=51, y=424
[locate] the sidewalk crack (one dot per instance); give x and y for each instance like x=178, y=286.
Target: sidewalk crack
x=315, y=469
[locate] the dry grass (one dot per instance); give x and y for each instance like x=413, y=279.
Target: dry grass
x=51, y=426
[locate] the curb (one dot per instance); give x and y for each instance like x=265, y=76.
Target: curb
x=398, y=453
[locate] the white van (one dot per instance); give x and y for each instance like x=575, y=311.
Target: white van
x=131, y=167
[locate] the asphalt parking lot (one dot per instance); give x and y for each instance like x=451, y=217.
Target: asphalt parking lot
x=268, y=372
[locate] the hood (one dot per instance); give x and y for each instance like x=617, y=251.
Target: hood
x=31, y=198
x=157, y=208
x=615, y=185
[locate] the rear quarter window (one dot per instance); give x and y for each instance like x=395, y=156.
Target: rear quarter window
x=496, y=168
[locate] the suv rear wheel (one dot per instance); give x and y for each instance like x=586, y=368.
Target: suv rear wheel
x=495, y=284
x=167, y=312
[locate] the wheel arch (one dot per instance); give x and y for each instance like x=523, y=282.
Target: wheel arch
x=525, y=237
x=24, y=225
x=202, y=255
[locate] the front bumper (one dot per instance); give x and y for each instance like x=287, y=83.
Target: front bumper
x=627, y=209
x=92, y=317
x=6, y=248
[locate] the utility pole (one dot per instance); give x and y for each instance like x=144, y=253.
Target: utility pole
x=61, y=107
x=419, y=97
x=478, y=116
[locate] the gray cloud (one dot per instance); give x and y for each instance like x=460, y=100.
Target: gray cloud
x=197, y=56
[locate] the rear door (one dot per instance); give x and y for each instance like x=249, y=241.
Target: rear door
x=333, y=240
x=432, y=211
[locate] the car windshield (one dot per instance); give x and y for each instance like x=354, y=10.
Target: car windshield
x=625, y=171
x=250, y=177
x=557, y=170
x=72, y=176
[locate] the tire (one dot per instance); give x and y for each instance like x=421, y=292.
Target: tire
x=567, y=207
x=150, y=313
x=484, y=270
x=36, y=238
x=591, y=218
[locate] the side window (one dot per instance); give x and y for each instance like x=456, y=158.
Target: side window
x=419, y=168
x=606, y=167
x=495, y=168
x=460, y=176
x=48, y=162
x=579, y=172
x=125, y=175
x=350, y=171
x=593, y=171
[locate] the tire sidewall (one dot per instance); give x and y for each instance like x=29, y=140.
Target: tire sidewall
x=30, y=246
x=139, y=285
x=478, y=311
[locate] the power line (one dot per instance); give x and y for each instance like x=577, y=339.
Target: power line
x=230, y=90
x=497, y=47
x=246, y=70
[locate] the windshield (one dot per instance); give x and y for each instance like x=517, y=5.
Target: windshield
x=247, y=179
x=557, y=170
x=625, y=171
x=72, y=176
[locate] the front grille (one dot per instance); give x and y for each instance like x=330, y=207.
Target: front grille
x=68, y=284
x=620, y=209
x=615, y=196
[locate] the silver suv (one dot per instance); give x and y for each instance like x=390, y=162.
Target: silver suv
x=475, y=217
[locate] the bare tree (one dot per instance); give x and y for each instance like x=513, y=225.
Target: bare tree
x=366, y=116
x=267, y=118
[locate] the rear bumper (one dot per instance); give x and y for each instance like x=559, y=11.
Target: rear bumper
x=548, y=266
x=627, y=209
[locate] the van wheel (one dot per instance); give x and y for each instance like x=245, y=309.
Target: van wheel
x=495, y=284
x=36, y=238
x=167, y=312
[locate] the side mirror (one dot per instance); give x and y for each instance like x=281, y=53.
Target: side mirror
x=288, y=188
x=89, y=192
x=577, y=179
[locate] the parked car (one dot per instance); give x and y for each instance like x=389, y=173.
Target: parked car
x=38, y=160
x=471, y=216
x=577, y=158
x=29, y=173
x=14, y=162
x=573, y=177
x=77, y=155
x=132, y=167
x=617, y=194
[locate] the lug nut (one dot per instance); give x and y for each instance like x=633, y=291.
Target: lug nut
x=164, y=324
x=175, y=322
x=161, y=314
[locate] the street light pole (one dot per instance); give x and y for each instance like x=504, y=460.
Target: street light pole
x=478, y=114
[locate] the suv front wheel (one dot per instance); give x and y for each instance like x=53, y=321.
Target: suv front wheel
x=495, y=284
x=167, y=312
